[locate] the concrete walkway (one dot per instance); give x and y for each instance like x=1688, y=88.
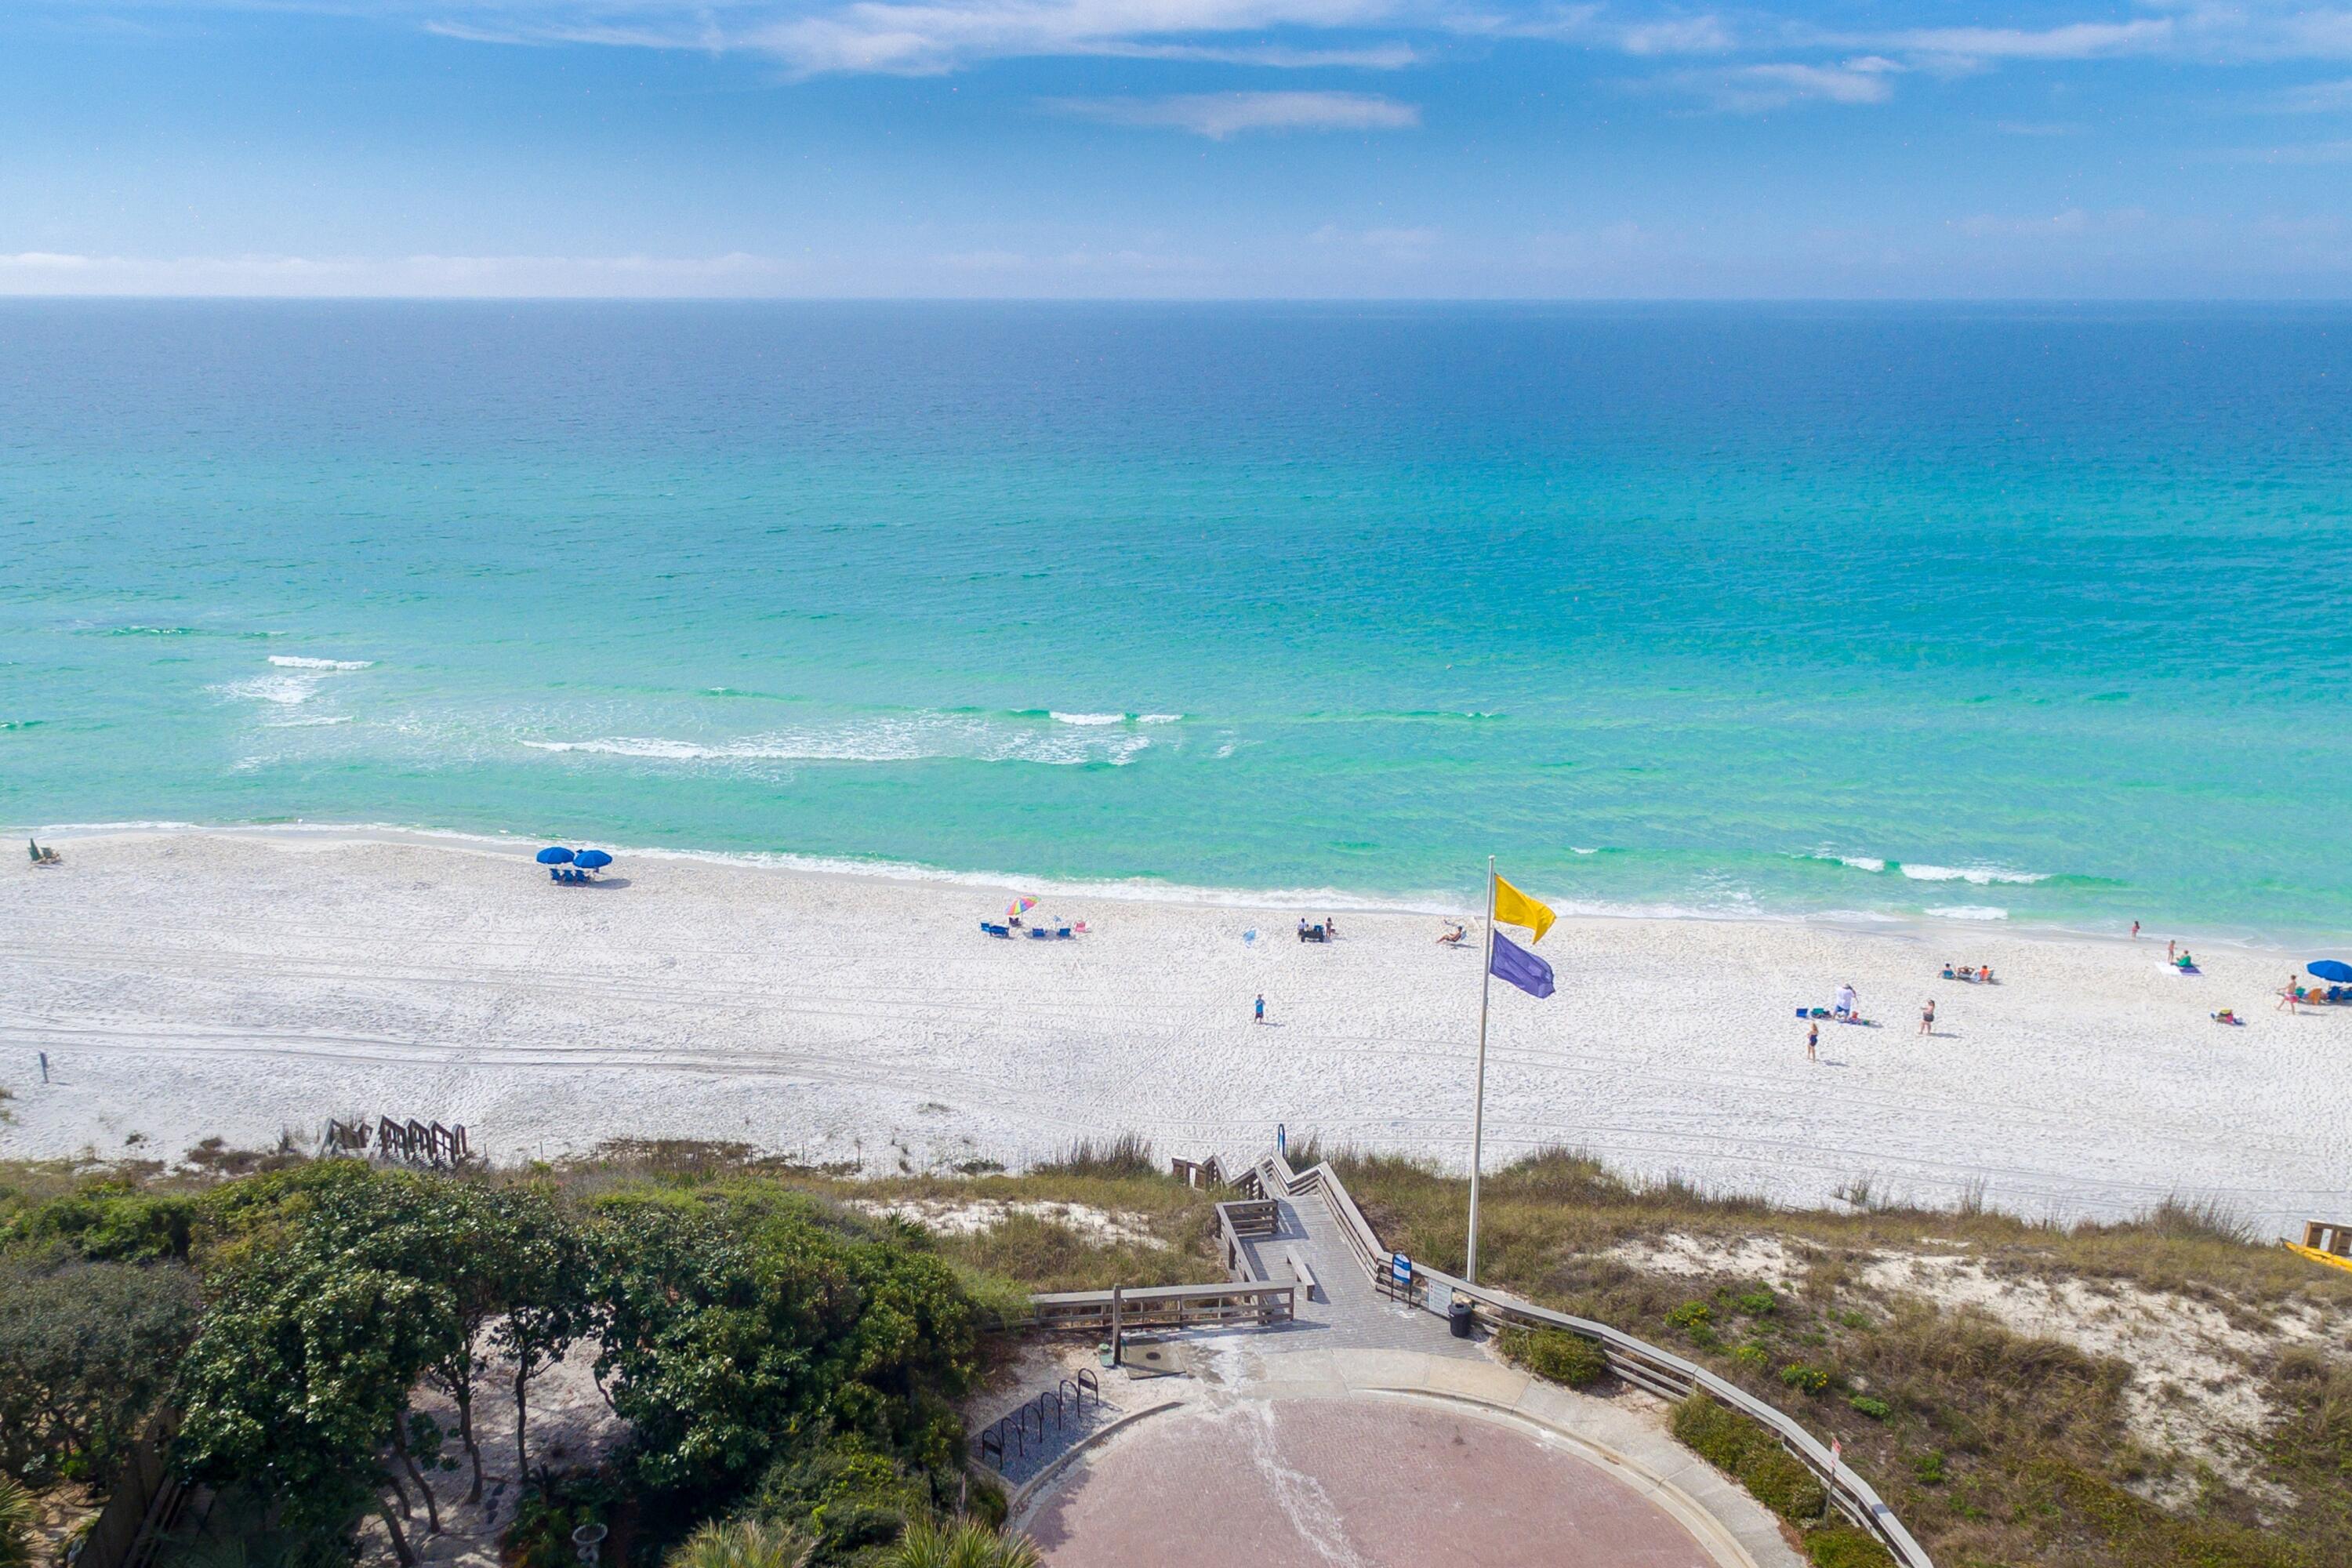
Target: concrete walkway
x=1239, y=1370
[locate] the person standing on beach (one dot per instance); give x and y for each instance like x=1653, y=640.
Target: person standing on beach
x=2134, y=931
x=2172, y=951
x=1928, y=1018
x=45, y=1066
x=1813, y=1041
x=1261, y=1007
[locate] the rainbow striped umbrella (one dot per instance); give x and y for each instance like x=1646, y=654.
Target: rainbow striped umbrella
x=1019, y=906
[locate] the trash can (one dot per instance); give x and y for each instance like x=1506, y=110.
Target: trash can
x=1457, y=1317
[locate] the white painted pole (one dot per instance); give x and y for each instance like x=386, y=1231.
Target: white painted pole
x=1478, y=1099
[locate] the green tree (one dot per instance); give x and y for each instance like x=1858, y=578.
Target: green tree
x=709, y=1344
x=86, y=1351
x=547, y=1276
x=301, y=1378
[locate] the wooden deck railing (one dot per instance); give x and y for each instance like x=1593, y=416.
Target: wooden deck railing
x=1637, y=1362
x=1165, y=1307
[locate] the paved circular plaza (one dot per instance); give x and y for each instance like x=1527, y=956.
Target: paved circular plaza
x=1352, y=1483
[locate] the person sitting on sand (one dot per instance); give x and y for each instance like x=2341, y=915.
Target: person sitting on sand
x=2227, y=1016
x=1302, y=927
x=1984, y=973
x=1947, y=973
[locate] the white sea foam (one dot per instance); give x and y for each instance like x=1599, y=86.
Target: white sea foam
x=1969, y=913
x=297, y=661
x=1089, y=719
x=1158, y=718
x=1578, y=849
x=1977, y=876
x=284, y=690
x=309, y=723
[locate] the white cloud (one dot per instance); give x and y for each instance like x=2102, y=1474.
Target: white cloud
x=2075, y=41
x=924, y=38
x=2315, y=97
x=1753, y=89
x=509, y=276
x=1218, y=115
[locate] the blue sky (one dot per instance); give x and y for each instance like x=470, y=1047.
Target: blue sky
x=1177, y=148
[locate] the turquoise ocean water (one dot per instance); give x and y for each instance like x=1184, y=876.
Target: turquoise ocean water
x=2036, y=610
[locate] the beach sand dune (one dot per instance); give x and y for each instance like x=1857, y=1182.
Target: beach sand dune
x=188, y=985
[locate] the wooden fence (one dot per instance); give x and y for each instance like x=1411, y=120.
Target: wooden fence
x=1638, y=1363
x=142, y=1506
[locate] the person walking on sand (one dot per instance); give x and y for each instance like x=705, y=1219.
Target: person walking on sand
x=1813, y=1042
x=2134, y=931
x=45, y=1066
x=1261, y=1007
x=2286, y=997
x=1928, y=1018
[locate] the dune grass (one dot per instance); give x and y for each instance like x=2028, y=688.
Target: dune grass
x=1995, y=1448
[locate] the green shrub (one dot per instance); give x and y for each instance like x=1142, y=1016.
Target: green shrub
x=1689, y=1315
x=539, y=1535
x=744, y=1543
x=1746, y=1451
x=1753, y=1355
x=17, y=1517
x=1804, y=1379
x=85, y=1353
x=1843, y=1546
x=1877, y=1409
x=1555, y=1354
x=845, y=1495
x=965, y=1544
x=1928, y=1467
x=1757, y=1303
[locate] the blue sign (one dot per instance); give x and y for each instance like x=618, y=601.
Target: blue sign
x=1400, y=1269
x=1282, y=1139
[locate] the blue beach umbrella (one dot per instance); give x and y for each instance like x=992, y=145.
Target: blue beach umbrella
x=591, y=859
x=2330, y=969
x=554, y=855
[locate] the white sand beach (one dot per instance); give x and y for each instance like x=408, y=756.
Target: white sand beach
x=190, y=984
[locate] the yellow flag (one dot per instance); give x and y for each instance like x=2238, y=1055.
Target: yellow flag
x=1515, y=908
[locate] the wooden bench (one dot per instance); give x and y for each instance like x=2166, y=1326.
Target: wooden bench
x=1303, y=1274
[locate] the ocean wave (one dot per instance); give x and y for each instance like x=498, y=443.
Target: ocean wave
x=308, y=723
x=1969, y=913
x=297, y=661
x=913, y=738
x=1158, y=717
x=1088, y=721
x=22, y=723
x=1977, y=876
x=1855, y=862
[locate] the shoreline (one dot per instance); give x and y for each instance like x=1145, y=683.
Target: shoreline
x=191, y=985
x=1137, y=890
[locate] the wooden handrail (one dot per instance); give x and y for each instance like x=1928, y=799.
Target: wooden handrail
x=1637, y=1361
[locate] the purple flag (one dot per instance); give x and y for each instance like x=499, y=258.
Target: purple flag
x=1521, y=968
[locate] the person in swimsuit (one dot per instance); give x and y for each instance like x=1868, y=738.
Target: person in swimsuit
x=1928, y=1018
x=1813, y=1041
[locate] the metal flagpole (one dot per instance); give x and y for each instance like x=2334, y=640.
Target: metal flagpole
x=1478, y=1100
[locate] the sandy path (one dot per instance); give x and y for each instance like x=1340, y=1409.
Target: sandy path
x=187, y=985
